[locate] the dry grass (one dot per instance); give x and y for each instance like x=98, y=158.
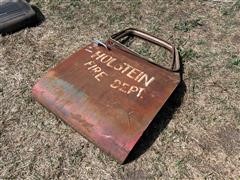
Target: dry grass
x=202, y=140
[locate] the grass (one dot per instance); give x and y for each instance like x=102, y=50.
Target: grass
x=234, y=64
x=235, y=61
x=201, y=141
x=187, y=54
x=187, y=25
x=232, y=10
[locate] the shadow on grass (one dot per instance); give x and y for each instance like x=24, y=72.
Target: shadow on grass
x=160, y=121
x=34, y=21
x=39, y=17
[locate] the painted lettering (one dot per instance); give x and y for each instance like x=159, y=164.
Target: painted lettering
x=140, y=92
x=98, y=55
x=100, y=75
x=133, y=73
x=89, y=63
x=118, y=67
x=139, y=75
x=115, y=84
x=126, y=68
x=146, y=80
x=91, y=67
x=109, y=64
x=104, y=59
x=132, y=89
x=127, y=88
x=97, y=69
x=124, y=87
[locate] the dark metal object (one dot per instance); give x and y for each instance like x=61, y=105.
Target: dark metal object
x=109, y=95
x=14, y=14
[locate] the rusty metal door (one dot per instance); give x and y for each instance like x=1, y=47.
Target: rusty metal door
x=109, y=93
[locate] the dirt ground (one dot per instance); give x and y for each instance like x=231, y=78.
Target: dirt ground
x=198, y=133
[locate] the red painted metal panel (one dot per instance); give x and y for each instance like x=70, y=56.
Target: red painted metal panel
x=110, y=96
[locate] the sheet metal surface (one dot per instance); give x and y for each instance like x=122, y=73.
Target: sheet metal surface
x=109, y=96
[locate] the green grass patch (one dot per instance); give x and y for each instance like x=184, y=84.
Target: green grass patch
x=232, y=10
x=234, y=63
x=187, y=54
x=188, y=25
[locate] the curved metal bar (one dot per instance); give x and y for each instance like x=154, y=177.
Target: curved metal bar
x=152, y=39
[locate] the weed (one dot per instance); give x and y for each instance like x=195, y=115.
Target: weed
x=116, y=19
x=201, y=42
x=188, y=25
x=236, y=61
x=232, y=10
x=187, y=54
